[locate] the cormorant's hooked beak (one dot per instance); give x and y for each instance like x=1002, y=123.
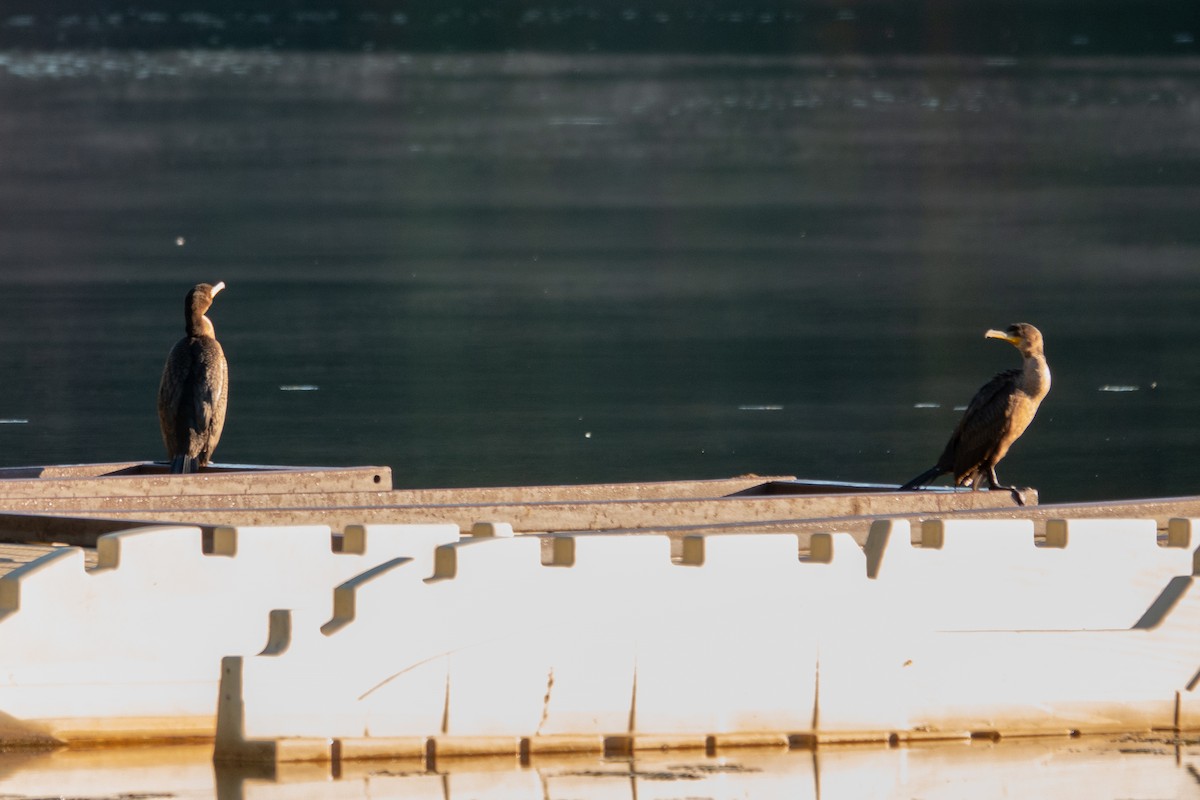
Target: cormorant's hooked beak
x=1008, y=337
x=217, y=287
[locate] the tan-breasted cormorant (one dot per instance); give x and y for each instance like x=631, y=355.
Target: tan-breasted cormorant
x=194, y=388
x=997, y=416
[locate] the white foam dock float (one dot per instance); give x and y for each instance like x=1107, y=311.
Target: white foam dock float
x=410, y=641
x=130, y=650
x=603, y=642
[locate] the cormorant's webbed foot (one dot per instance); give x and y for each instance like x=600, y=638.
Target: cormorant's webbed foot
x=994, y=483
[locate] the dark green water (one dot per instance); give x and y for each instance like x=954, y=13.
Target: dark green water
x=512, y=269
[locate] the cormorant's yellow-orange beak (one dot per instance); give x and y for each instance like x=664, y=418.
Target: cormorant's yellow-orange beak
x=1008, y=337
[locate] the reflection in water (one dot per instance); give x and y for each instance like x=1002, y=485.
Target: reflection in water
x=184, y=772
x=1096, y=768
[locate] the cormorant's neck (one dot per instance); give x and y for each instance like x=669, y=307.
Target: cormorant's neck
x=1036, y=375
x=200, y=325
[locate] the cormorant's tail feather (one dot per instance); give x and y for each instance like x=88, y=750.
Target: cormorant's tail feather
x=181, y=465
x=922, y=479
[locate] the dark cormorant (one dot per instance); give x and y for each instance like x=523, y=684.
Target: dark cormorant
x=194, y=388
x=997, y=416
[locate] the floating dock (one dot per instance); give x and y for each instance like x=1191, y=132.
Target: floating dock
x=604, y=643
x=605, y=618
